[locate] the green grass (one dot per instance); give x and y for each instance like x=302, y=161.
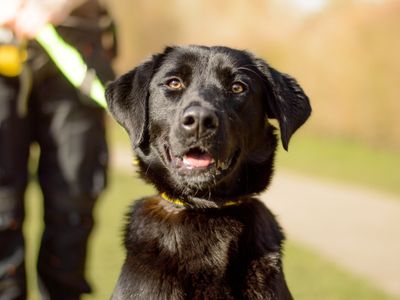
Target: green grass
x=117, y=136
x=343, y=160
x=309, y=275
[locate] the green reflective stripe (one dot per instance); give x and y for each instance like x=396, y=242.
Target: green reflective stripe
x=70, y=62
x=97, y=92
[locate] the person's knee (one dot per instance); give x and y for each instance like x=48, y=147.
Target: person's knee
x=10, y=221
x=82, y=220
x=12, y=269
x=73, y=218
x=11, y=208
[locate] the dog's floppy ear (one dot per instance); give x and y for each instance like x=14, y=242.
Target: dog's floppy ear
x=287, y=101
x=127, y=99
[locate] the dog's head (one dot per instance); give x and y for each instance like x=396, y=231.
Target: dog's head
x=197, y=118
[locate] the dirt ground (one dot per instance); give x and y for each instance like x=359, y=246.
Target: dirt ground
x=358, y=228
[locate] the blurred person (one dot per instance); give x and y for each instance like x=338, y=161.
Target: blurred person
x=38, y=104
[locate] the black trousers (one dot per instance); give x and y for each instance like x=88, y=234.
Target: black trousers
x=71, y=174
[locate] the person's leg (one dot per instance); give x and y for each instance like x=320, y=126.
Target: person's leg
x=72, y=167
x=14, y=150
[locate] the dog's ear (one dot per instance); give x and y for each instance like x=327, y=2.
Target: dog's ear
x=127, y=99
x=286, y=101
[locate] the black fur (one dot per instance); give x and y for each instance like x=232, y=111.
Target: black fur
x=197, y=119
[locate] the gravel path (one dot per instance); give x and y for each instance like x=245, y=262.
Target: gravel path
x=358, y=228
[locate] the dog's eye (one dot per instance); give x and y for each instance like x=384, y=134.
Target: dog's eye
x=238, y=87
x=174, y=84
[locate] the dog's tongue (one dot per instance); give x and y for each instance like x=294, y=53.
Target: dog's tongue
x=196, y=159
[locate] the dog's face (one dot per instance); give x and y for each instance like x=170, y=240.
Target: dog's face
x=197, y=118
x=203, y=111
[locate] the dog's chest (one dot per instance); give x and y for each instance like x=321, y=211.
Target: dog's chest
x=181, y=241
x=216, y=254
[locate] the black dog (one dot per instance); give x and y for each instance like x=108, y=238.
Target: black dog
x=197, y=119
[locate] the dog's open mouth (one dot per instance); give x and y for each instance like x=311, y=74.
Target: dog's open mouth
x=197, y=159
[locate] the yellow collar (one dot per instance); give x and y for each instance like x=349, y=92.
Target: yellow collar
x=181, y=203
x=174, y=201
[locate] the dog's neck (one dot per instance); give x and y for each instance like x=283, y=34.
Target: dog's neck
x=200, y=203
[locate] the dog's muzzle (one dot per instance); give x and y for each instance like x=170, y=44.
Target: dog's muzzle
x=198, y=122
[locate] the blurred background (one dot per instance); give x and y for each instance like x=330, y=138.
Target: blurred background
x=337, y=190
x=344, y=53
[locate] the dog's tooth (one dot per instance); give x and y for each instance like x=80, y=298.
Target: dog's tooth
x=178, y=162
x=221, y=165
x=187, y=164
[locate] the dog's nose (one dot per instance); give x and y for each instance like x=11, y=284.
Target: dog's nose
x=199, y=121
